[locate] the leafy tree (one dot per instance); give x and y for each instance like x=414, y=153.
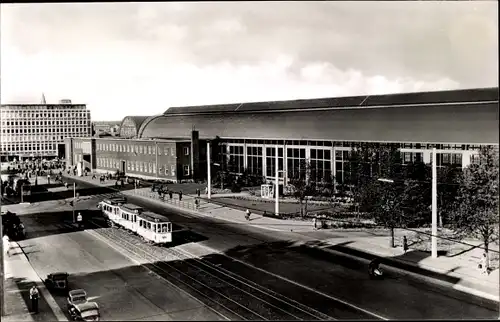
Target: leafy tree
x=302, y=187
x=388, y=206
x=476, y=208
x=362, y=164
x=448, y=186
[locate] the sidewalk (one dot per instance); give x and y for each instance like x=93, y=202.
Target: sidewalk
x=461, y=269
x=19, y=278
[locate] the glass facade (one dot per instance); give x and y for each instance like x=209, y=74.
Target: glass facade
x=321, y=163
x=271, y=161
x=295, y=158
x=254, y=160
x=235, y=160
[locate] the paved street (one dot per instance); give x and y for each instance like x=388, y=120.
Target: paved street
x=123, y=289
x=338, y=280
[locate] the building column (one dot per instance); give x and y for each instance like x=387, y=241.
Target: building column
x=466, y=155
x=427, y=156
x=333, y=167
x=264, y=161
x=245, y=155
x=285, y=166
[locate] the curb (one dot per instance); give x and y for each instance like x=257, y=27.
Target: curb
x=432, y=280
x=43, y=290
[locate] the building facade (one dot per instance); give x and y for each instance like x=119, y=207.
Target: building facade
x=38, y=130
x=106, y=127
x=322, y=132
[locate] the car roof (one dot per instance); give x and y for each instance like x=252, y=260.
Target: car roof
x=87, y=306
x=77, y=292
x=59, y=273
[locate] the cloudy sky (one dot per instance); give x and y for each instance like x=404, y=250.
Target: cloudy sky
x=140, y=58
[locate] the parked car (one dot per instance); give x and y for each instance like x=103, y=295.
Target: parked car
x=57, y=281
x=79, y=308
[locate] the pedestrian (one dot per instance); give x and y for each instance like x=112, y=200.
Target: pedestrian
x=484, y=264
x=197, y=203
x=170, y=194
x=79, y=220
x=34, y=295
x=405, y=244
x=93, y=176
x=48, y=179
x=6, y=244
x=180, y=195
x=198, y=191
x=314, y=222
x=206, y=190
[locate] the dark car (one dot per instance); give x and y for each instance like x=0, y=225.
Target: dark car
x=57, y=281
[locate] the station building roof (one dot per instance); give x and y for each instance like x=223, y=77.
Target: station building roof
x=459, y=116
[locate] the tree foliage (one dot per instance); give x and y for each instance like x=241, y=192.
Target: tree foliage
x=301, y=186
x=476, y=207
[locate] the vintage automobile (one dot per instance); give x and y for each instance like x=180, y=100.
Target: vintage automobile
x=79, y=308
x=57, y=281
x=88, y=311
x=12, y=226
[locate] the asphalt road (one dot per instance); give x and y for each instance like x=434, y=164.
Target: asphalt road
x=287, y=281
x=123, y=289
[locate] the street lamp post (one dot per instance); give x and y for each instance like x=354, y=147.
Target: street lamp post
x=209, y=173
x=2, y=302
x=434, y=252
x=276, y=191
x=74, y=200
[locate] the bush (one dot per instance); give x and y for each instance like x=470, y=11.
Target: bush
x=235, y=188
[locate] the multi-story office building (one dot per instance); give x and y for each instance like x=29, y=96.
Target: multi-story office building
x=38, y=130
x=106, y=127
x=322, y=131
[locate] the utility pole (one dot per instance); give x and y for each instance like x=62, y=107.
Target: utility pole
x=2, y=279
x=22, y=188
x=434, y=205
x=277, y=185
x=209, y=174
x=74, y=200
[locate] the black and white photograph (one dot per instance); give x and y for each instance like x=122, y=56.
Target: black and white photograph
x=249, y=160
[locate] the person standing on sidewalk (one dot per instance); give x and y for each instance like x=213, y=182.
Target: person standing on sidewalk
x=6, y=244
x=34, y=295
x=405, y=244
x=79, y=220
x=315, y=223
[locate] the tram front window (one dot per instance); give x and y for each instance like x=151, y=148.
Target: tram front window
x=164, y=228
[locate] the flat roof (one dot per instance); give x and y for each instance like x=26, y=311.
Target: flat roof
x=131, y=207
x=154, y=217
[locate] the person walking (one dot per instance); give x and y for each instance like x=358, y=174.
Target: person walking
x=180, y=195
x=170, y=194
x=79, y=220
x=484, y=264
x=6, y=244
x=405, y=244
x=315, y=223
x=34, y=295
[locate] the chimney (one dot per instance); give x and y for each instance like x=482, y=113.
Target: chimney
x=43, y=101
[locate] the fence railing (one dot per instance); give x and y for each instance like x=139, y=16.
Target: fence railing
x=166, y=199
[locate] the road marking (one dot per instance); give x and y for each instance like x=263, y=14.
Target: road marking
x=96, y=235
x=300, y=285
x=45, y=293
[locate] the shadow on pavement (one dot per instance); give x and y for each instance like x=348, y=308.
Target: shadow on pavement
x=215, y=271
x=65, y=194
x=45, y=312
x=59, y=222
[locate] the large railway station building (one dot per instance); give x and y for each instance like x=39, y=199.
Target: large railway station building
x=172, y=146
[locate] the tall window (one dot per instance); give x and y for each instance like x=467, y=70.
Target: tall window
x=341, y=165
x=320, y=164
x=235, y=159
x=254, y=160
x=271, y=161
x=295, y=159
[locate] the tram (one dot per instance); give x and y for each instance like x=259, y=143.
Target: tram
x=111, y=209
x=128, y=216
x=154, y=228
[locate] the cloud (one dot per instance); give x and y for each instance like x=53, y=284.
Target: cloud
x=140, y=58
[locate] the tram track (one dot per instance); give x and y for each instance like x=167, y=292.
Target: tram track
x=226, y=290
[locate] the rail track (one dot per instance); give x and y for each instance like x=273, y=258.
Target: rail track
x=224, y=291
